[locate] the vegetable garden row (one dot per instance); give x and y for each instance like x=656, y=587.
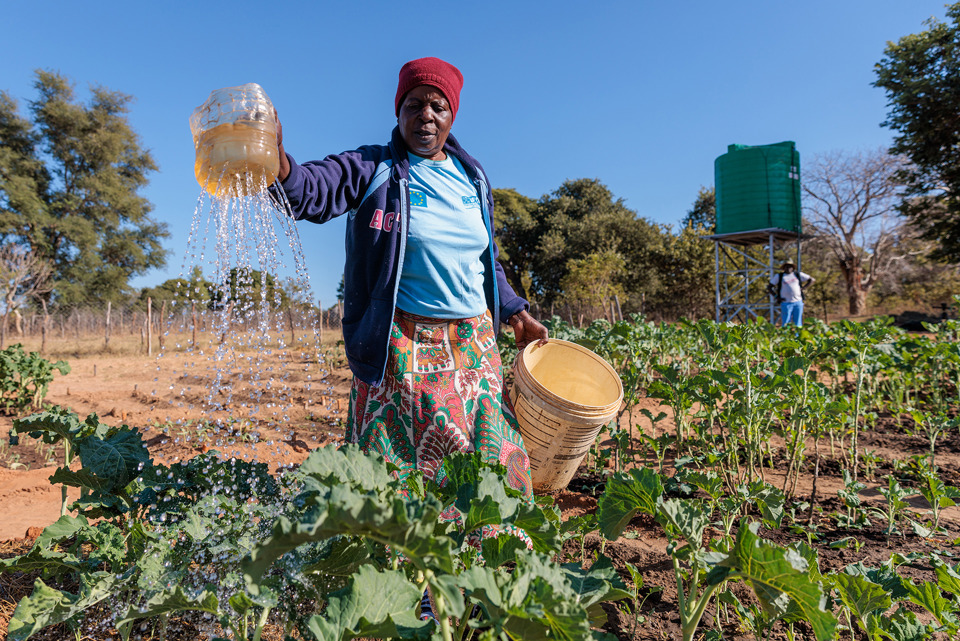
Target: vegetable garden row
x=339, y=549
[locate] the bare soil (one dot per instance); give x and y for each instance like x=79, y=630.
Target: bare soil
x=146, y=391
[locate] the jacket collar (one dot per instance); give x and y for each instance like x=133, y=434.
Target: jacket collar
x=398, y=149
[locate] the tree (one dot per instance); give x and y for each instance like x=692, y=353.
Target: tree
x=68, y=190
x=549, y=246
x=919, y=73
x=23, y=276
x=183, y=291
x=591, y=283
x=703, y=214
x=918, y=282
x=851, y=206
x=685, y=265
x=517, y=237
x=581, y=218
x=249, y=291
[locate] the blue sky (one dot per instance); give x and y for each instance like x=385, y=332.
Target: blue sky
x=642, y=95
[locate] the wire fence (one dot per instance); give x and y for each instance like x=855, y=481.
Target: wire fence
x=155, y=320
x=148, y=323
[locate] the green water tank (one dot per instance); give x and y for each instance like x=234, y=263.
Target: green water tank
x=758, y=187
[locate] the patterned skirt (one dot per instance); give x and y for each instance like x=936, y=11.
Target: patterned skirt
x=443, y=393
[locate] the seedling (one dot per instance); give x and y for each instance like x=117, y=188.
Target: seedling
x=660, y=446
x=870, y=460
x=850, y=496
x=639, y=596
x=937, y=494
x=896, y=507
x=934, y=426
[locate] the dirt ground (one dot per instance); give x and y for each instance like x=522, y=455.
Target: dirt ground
x=165, y=397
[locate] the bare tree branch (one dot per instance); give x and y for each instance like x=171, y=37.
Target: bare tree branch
x=851, y=201
x=23, y=275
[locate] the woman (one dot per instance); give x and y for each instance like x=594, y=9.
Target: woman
x=424, y=292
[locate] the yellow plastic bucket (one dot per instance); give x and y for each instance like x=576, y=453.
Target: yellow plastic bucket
x=563, y=394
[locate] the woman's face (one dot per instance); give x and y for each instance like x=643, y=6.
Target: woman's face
x=425, y=120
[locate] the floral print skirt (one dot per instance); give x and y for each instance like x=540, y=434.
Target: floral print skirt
x=443, y=393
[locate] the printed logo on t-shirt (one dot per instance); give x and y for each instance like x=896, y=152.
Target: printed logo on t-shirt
x=471, y=202
x=417, y=198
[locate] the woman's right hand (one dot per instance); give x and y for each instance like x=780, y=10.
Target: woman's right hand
x=527, y=329
x=284, y=170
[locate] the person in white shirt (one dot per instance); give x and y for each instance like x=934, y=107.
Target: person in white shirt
x=788, y=287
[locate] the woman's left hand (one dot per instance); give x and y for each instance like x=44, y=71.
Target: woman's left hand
x=527, y=329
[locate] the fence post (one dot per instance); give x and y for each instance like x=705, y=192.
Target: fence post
x=163, y=319
x=293, y=336
x=149, y=326
x=106, y=332
x=43, y=329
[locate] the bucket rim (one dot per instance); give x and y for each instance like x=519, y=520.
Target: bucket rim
x=523, y=372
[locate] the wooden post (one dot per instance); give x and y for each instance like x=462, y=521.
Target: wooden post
x=43, y=329
x=106, y=331
x=320, y=309
x=193, y=320
x=226, y=317
x=149, y=326
x=619, y=311
x=293, y=336
x=163, y=319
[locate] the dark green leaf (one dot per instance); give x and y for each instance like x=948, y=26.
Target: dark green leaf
x=346, y=464
x=46, y=606
x=626, y=495
x=862, y=597
x=773, y=571
x=374, y=604
x=175, y=600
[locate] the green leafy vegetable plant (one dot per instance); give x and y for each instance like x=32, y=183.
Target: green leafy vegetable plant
x=25, y=378
x=338, y=549
x=779, y=576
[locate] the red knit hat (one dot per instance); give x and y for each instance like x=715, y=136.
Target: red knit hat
x=434, y=72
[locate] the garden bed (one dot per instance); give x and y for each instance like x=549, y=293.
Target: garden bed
x=125, y=389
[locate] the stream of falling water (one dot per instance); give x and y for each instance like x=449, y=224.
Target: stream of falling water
x=242, y=334
x=242, y=330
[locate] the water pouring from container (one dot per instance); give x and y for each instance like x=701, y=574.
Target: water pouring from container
x=244, y=343
x=235, y=138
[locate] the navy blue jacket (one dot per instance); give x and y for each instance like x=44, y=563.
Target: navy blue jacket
x=371, y=186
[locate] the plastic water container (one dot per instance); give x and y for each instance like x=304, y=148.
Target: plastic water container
x=235, y=137
x=563, y=394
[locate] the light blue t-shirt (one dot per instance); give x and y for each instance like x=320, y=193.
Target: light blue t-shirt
x=442, y=273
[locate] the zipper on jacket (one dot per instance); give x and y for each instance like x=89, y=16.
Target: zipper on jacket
x=405, y=212
x=488, y=223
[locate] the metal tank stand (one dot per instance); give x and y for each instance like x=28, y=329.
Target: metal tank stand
x=742, y=276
